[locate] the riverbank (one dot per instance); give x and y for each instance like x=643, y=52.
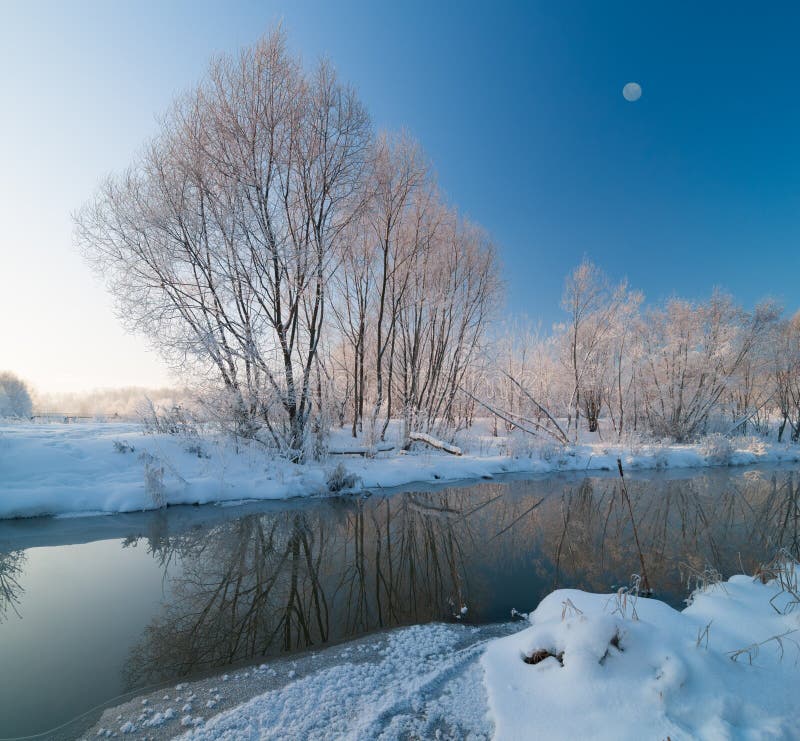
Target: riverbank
x=586, y=666
x=86, y=468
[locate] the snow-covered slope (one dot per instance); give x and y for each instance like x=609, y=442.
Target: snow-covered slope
x=50, y=469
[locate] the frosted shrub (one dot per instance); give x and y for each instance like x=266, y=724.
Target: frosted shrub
x=174, y=421
x=154, y=479
x=755, y=445
x=370, y=437
x=198, y=450
x=340, y=479
x=15, y=399
x=549, y=450
x=317, y=439
x=123, y=446
x=717, y=448
x=522, y=446
x=660, y=455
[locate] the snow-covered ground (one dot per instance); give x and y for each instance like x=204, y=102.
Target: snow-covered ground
x=412, y=682
x=48, y=469
x=613, y=673
x=586, y=666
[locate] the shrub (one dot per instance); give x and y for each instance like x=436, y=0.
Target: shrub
x=174, y=421
x=154, y=479
x=340, y=478
x=717, y=448
x=198, y=450
x=755, y=445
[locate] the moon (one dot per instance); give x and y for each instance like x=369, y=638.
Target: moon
x=632, y=92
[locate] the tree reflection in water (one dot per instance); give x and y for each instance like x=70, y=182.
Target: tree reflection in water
x=11, y=566
x=282, y=581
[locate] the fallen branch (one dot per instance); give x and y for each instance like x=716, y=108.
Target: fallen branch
x=363, y=451
x=543, y=410
x=747, y=417
x=507, y=417
x=421, y=437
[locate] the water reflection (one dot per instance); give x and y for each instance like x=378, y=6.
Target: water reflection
x=285, y=581
x=271, y=582
x=12, y=564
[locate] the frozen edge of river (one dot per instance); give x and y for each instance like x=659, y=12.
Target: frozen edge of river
x=422, y=678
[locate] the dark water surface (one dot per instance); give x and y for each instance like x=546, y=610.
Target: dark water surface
x=91, y=608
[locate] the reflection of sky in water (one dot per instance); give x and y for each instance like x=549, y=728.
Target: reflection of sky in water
x=154, y=596
x=82, y=608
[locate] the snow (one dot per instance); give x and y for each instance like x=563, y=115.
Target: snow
x=664, y=681
x=420, y=683
x=425, y=681
x=59, y=469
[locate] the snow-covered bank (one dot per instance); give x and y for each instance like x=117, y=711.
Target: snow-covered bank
x=588, y=666
x=418, y=681
x=725, y=667
x=48, y=469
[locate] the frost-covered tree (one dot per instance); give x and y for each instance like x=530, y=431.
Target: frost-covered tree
x=530, y=388
x=450, y=297
x=786, y=372
x=413, y=296
x=675, y=370
x=398, y=171
x=219, y=242
x=297, y=267
x=15, y=399
x=692, y=353
x=594, y=307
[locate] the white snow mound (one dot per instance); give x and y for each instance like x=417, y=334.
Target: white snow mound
x=601, y=674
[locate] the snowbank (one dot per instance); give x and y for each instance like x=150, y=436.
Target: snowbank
x=600, y=673
x=48, y=469
x=418, y=682
x=367, y=699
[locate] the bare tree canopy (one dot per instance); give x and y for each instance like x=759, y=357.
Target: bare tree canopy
x=266, y=206
x=219, y=241
x=677, y=371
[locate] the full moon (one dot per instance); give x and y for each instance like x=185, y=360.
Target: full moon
x=632, y=92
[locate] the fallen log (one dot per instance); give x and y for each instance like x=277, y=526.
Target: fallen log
x=363, y=451
x=421, y=437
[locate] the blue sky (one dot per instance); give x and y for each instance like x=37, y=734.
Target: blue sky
x=519, y=106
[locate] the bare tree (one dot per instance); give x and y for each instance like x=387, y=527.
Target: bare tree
x=593, y=307
x=692, y=353
x=786, y=371
x=398, y=171
x=451, y=296
x=622, y=354
x=219, y=242
x=353, y=306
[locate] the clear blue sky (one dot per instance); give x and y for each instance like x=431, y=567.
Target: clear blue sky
x=519, y=106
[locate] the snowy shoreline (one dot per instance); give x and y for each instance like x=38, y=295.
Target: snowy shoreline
x=100, y=468
x=583, y=665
